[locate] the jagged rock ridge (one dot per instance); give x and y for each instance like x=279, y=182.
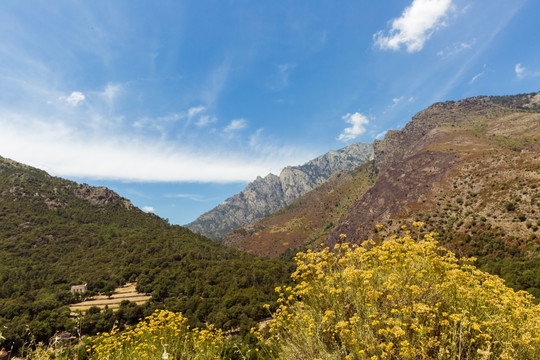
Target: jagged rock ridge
x=266, y=195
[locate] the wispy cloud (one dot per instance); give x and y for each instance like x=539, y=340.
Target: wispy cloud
x=206, y=120
x=148, y=209
x=477, y=76
x=236, y=124
x=415, y=26
x=90, y=142
x=57, y=148
x=508, y=16
x=195, y=110
x=358, y=122
x=397, y=101
x=522, y=72
x=193, y=197
x=456, y=48
x=215, y=83
x=111, y=91
x=381, y=135
x=280, y=79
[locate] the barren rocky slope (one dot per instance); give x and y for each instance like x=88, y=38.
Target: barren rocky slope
x=420, y=167
x=266, y=195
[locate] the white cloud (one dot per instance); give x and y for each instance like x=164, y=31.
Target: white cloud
x=475, y=77
x=522, y=72
x=111, y=91
x=74, y=99
x=358, y=122
x=415, y=26
x=148, y=209
x=193, y=197
x=397, y=101
x=172, y=117
x=236, y=124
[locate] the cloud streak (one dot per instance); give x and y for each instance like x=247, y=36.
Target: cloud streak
x=119, y=158
x=89, y=142
x=415, y=26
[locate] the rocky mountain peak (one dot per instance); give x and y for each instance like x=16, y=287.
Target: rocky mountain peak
x=266, y=195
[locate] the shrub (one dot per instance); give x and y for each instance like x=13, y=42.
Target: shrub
x=163, y=334
x=402, y=299
x=510, y=206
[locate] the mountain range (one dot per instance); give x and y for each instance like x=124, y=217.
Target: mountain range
x=468, y=169
x=265, y=195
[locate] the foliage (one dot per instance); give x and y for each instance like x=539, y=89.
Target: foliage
x=51, y=239
x=162, y=335
x=401, y=300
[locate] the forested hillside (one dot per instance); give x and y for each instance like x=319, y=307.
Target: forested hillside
x=55, y=233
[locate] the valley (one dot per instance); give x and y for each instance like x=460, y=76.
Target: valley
x=463, y=175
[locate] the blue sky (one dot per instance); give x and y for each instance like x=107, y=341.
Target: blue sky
x=177, y=105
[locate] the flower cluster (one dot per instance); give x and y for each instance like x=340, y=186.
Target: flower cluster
x=162, y=335
x=402, y=299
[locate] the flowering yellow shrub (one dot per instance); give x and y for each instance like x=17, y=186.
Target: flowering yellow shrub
x=162, y=335
x=402, y=299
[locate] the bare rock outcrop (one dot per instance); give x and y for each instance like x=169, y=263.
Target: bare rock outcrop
x=100, y=196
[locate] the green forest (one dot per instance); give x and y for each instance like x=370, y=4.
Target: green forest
x=52, y=239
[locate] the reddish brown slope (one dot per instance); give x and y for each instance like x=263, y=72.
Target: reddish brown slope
x=441, y=144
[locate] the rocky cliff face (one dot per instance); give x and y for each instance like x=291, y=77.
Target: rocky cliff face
x=266, y=195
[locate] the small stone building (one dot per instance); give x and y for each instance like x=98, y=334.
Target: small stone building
x=78, y=289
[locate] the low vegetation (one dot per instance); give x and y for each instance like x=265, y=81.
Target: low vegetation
x=399, y=299
x=402, y=299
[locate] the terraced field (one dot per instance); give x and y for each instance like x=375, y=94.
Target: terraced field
x=126, y=292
